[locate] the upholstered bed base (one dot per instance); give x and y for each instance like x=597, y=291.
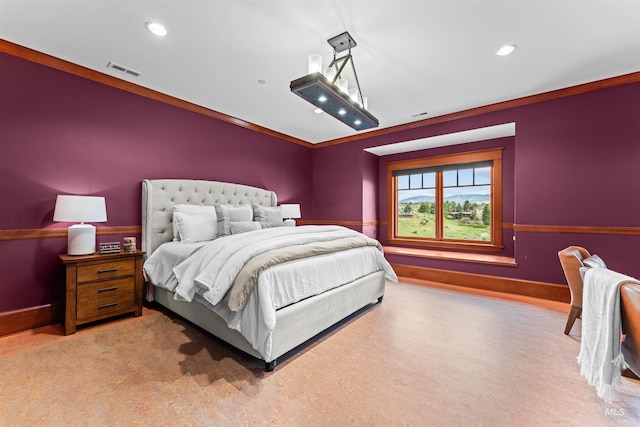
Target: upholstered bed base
x=295, y=323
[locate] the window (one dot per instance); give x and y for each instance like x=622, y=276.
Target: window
x=447, y=201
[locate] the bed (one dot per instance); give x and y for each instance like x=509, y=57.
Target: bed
x=266, y=321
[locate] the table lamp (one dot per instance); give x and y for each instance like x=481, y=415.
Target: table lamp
x=82, y=237
x=290, y=212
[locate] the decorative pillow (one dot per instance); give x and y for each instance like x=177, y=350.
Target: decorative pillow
x=267, y=214
x=273, y=224
x=230, y=213
x=191, y=209
x=244, y=226
x=195, y=227
x=594, y=261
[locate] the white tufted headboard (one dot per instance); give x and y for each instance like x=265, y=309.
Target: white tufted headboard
x=159, y=196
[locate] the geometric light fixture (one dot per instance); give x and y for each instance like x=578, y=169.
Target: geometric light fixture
x=336, y=90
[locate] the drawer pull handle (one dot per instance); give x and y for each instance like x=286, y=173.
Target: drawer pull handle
x=107, y=305
x=107, y=270
x=112, y=288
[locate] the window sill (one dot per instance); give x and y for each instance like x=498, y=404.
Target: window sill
x=460, y=245
x=453, y=256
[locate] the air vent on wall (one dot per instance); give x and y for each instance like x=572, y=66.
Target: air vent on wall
x=124, y=69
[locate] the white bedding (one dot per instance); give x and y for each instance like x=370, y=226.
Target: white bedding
x=208, y=274
x=158, y=268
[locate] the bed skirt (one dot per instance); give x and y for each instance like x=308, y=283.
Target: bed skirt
x=295, y=323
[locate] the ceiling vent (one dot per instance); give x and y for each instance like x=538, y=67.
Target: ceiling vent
x=123, y=69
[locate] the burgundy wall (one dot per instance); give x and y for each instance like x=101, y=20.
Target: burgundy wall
x=62, y=134
x=575, y=163
x=338, y=173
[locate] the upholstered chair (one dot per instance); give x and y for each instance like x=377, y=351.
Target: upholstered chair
x=630, y=307
x=571, y=261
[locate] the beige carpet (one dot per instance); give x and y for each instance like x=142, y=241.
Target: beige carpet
x=423, y=357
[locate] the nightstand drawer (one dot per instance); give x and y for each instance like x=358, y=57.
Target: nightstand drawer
x=105, y=270
x=101, y=308
x=105, y=288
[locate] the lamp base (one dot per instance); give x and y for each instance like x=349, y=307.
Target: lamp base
x=81, y=240
x=290, y=222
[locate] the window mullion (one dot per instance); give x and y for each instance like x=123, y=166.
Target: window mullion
x=439, y=206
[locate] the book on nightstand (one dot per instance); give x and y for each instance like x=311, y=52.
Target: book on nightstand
x=110, y=248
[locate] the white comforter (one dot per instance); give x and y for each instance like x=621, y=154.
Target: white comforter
x=208, y=274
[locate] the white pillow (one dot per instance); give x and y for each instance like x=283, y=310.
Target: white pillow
x=267, y=214
x=230, y=213
x=244, y=226
x=195, y=227
x=190, y=209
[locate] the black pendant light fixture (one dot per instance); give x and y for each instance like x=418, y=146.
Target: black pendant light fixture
x=336, y=90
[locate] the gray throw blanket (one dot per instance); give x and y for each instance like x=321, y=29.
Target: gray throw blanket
x=600, y=358
x=246, y=280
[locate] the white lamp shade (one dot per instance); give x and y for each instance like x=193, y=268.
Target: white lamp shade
x=80, y=209
x=290, y=211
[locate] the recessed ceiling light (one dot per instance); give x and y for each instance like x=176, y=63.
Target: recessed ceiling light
x=506, y=50
x=157, y=29
x=342, y=112
x=318, y=111
x=322, y=98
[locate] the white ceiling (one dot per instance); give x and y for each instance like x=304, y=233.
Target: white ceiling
x=412, y=56
x=463, y=137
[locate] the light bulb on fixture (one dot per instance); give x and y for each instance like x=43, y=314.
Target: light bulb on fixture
x=353, y=94
x=343, y=85
x=315, y=63
x=330, y=73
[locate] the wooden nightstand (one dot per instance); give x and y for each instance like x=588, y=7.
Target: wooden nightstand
x=101, y=286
